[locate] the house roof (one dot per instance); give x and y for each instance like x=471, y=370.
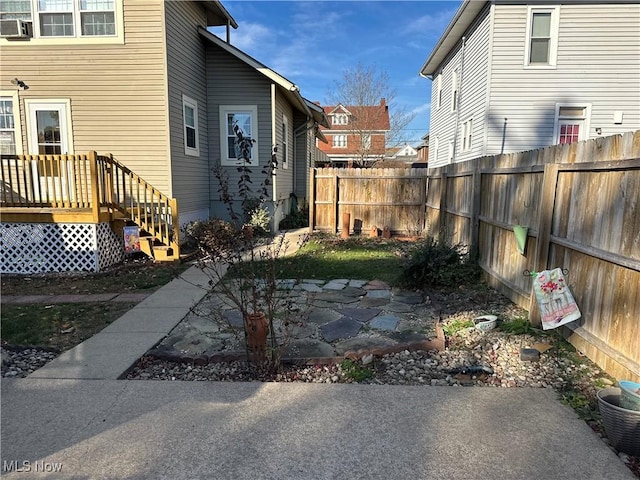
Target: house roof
x=291, y=90
x=217, y=15
x=377, y=115
x=462, y=20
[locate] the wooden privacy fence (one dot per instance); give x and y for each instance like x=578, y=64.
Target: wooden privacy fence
x=581, y=203
x=381, y=197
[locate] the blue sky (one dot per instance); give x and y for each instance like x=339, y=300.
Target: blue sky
x=312, y=42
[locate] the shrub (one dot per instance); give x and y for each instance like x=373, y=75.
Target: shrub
x=297, y=219
x=259, y=219
x=213, y=235
x=436, y=263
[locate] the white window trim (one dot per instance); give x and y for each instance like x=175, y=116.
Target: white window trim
x=439, y=92
x=454, y=90
x=584, y=134
x=118, y=38
x=33, y=104
x=467, y=135
x=253, y=110
x=17, y=127
x=190, y=102
x=285, y=144
x=366, y=141
x=333, y=141
x=554, y=10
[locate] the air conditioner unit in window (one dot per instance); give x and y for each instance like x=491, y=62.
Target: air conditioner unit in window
x=15, y=29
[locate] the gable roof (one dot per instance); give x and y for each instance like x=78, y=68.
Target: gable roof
x=462, y=20
x=290, y=89
x=378, y=115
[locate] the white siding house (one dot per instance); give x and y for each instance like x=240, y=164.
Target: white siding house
x=511, y=76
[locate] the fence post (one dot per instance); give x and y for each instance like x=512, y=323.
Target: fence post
x=334, y=206
x=312, y=199
x=443, y=204
x=475, y=212
x=545, y=219
x=95, y=193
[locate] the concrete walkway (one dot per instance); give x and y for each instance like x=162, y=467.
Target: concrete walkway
x=131, y=429
x=109, y=353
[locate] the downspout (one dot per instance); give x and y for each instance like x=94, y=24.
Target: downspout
x=274, y=189
x=455, y=132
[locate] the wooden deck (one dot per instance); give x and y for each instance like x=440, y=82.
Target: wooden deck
x=88, y=188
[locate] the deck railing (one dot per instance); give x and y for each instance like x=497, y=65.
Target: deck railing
x=90, y=183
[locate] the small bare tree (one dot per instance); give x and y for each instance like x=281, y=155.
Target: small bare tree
x=361, y=89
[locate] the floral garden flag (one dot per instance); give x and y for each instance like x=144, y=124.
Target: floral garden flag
x=555, y=301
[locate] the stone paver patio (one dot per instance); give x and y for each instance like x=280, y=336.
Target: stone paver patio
x=332, y=318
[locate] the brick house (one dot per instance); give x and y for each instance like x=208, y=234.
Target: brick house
x=357, y=134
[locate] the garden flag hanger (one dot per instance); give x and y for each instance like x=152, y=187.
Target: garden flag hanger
x=555, y=301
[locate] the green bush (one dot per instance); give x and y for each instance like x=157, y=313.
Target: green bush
x=436, y=263
x=259, y=219
x=298, y=219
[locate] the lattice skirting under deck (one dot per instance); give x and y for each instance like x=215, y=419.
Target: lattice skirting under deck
x=58, y=247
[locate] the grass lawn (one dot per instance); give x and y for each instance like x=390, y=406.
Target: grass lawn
x=327, y=257
x=42, y=325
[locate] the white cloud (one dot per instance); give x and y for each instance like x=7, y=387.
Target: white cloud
x=425, y=107
x=429, y=25
x=249, y=36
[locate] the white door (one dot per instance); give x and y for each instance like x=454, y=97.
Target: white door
x=49, y=135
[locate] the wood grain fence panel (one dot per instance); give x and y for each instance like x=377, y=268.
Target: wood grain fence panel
x=583, y=214
x=393, y=198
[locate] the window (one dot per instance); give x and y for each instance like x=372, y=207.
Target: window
x=67, y=18
x=454, y=91
x=190, y=121
x=97, y=17
x=285, y=142
x=15, y=9
x=8, y=124
x=467, y=131
x=340, y=119
x=245, y=118
x=340, y=141
x=366, y=141
x=542, y=37
x=571, y=123
x=439, y=98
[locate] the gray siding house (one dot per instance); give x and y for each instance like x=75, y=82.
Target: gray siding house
x=512, y=76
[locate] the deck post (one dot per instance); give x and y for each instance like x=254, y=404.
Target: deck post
x=173, y=203
x=95, y=192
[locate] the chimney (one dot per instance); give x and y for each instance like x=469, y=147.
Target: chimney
x=383, y=102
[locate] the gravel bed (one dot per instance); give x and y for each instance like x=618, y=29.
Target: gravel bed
x=18, y=362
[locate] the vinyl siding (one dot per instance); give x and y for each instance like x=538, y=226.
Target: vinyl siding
x=187, y=76
x=472, y=82
x=117, y=92
x=301, y=157
x=284, y=177
x=597, y=64
x=232, y=82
